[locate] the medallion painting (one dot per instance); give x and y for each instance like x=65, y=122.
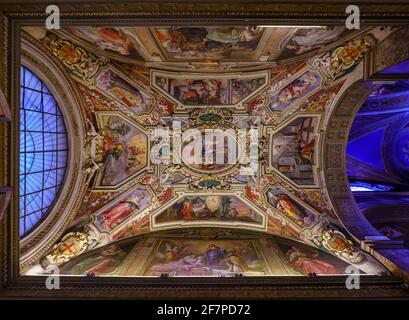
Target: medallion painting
x=214, y=154
x=209, y=208
x=124, y=150
x=208, y=42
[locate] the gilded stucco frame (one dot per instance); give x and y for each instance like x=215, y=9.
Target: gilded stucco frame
x=13, y=16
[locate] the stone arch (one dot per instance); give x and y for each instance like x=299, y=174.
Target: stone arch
x=391, y=51
x=334, y=161
x=54, y=77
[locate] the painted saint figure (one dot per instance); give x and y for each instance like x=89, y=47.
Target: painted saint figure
x=308, y=263
x=115, y=215
x=187, y=210
x=300, y=87
x=214, y=254
x=289, y=207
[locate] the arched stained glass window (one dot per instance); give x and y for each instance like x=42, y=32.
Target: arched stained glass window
x=43, y=150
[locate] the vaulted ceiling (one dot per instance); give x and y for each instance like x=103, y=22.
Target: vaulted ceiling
x=132, y=81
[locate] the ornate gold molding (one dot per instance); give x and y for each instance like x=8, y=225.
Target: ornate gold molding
x=284, y=10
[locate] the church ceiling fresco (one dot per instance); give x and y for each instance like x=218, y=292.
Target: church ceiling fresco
x=210, y=90
x=195, y=44
x=138, y=180
x=213, y=209
x=198, y=257
x=123, y=150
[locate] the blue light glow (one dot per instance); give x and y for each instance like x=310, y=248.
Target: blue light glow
x=363, y=186
x=43, y=150
x=368, y=148
x=400, y=68
x=403, y=149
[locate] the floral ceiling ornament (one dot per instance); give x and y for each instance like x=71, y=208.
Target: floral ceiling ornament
x=336, y=63
x=320, y=101
x=336, y=242
x=74, y=244
x=211, y=183
x=323, y=234
x=71, y=245
x=81, y=63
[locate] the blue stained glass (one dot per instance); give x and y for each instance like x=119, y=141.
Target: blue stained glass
x=45, y=90
x=22, y=120
x=33, y=201
x=34, y=182
x=49, y=104
x=22, y=148
x=403, y=149
x=60, y=124
x=36, y=141
x=49, y=195
x=34, y=217
x=50, y=141
x=21, y=100
x=34, y=121
x=356, y=189
x=50, y=179
x=32, y=100
x=43, y=150
x=50, y=160
x=31, y=81
x=62, y=141
x=50, y=123
x=60, y=175
x=22, y=190
x=29, y=222
x=29, y=142
x=36, y=162
x=22, y=225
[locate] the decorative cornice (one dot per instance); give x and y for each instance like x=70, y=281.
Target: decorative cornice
x=212, y=288
x=165, y=12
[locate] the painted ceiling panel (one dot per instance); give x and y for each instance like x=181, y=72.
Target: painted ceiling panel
x=189, y=128
x=206, y=258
